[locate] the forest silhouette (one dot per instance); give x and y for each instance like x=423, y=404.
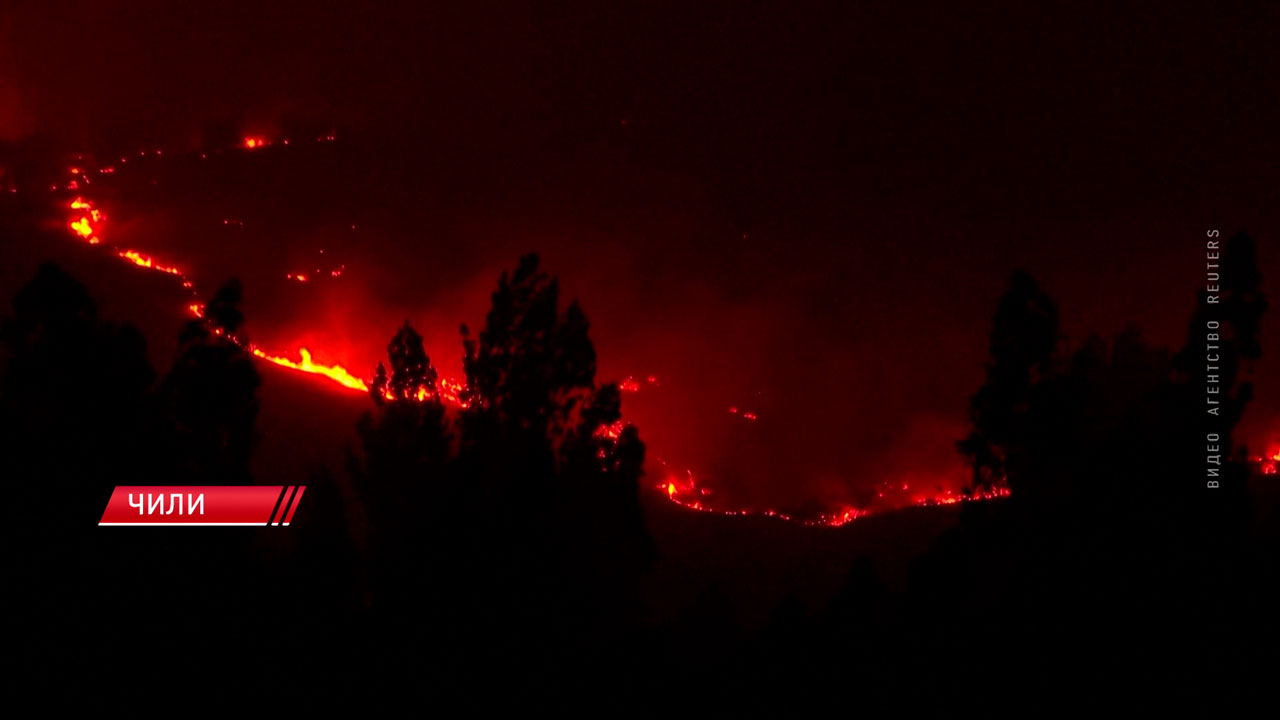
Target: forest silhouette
x=497, y=554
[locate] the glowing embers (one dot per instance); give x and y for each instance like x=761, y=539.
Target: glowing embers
x=322, y=267
x=632, y=385
x=612, y=431
x=147, y=261
x=452, y=392
x=685, y=491
x=1270, y=463
x=843, y=517
x=86, y=222
x=948, y=497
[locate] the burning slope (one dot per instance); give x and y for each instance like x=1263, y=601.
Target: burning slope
x=86, y=221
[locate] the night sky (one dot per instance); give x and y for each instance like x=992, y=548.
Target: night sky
x=809, y=213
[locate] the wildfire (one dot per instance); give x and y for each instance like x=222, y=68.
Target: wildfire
x=680, y=488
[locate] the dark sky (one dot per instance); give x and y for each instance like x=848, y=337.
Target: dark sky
x=812, y=205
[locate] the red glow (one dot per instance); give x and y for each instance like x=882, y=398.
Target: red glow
x=678, y=487
x=1270, y=462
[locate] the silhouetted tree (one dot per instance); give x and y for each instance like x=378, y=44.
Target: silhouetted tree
x=81, y=415
x=211, y=394
x=1024, y=337
x=73, y=393
x=378, y=388
x=412, y=376
x=528, y=529
x=531, y=365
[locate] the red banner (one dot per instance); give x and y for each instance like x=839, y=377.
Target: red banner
x=166, y=505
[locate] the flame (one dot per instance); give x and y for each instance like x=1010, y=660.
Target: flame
x=147, y=261
x=336, y=373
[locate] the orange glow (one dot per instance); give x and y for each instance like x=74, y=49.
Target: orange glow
x=845, y=516
x=83, y=229
x=253, y=143
x=147, y=261
x=451, y=391
x=82, y=224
